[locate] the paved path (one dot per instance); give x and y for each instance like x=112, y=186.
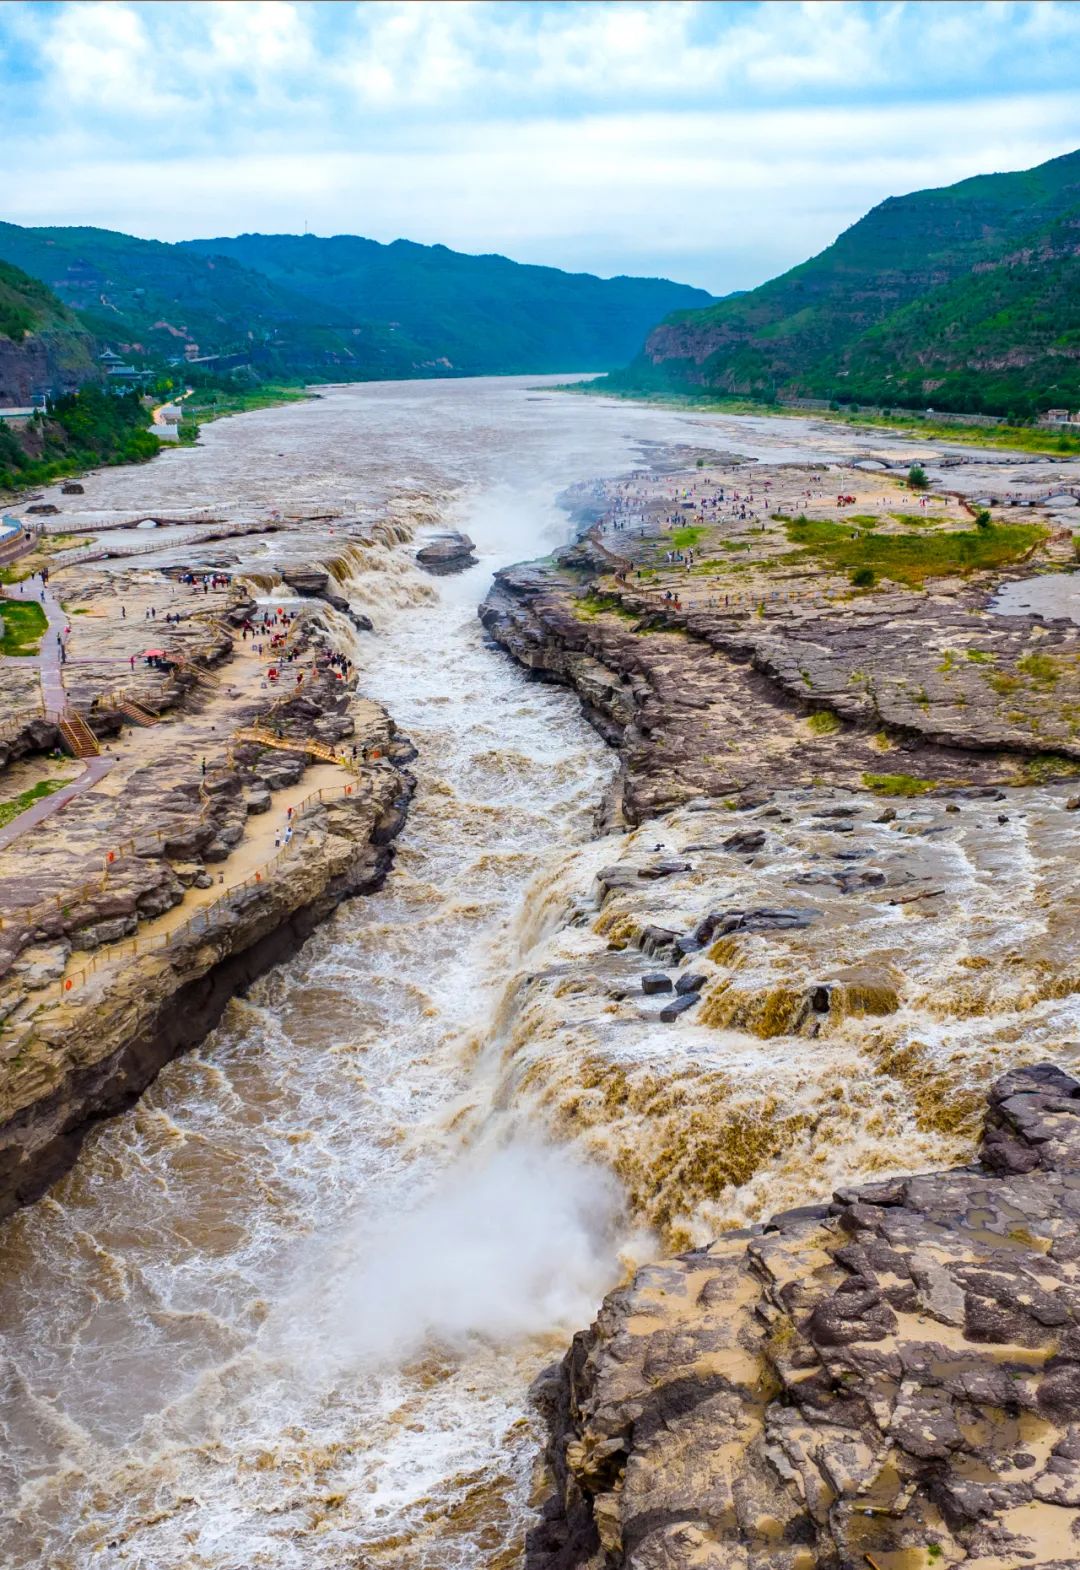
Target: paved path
x=48, y=660
x=93, y=770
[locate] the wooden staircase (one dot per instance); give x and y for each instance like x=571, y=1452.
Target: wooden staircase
x=137, y=712
x=77, y=736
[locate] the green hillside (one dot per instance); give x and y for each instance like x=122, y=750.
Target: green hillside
x=341, y=308
x=471, y=313
x=153, y=299
x=42, y=342
x=967, y=297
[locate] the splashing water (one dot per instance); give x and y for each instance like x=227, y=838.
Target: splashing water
x=286, y=1311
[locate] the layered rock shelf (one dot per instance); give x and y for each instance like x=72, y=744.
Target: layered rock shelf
x=887, y=1379
x=245, y=787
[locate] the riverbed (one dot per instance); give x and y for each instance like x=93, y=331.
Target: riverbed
x=286, y=1311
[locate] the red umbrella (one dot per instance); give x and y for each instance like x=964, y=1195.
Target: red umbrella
x=153, y=654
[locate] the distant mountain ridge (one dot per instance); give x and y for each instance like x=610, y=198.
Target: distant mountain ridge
x=965, y=297
x=478, y=313
x=343, y=307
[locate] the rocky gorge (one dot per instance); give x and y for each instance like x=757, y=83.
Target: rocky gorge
x=833, y=797
x=769, y=948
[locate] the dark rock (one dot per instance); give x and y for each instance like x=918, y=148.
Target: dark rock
x=655, y=981
x=690, y=982
x=72, y=488
x=745, y=841
x=719, y=923
x=659, y=943
x=306, y=580
x=662, y=869
x=677, y=1006
x=447, y=553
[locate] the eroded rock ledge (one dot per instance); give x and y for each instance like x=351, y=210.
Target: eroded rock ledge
x=888, y=1380
x=92, y=1056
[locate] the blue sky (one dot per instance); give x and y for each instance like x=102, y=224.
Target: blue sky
x=714, y=143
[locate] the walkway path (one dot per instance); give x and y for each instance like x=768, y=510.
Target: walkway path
x=48, y=660
x=94, y=770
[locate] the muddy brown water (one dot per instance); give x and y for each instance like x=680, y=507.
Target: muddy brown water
x=286, y=1311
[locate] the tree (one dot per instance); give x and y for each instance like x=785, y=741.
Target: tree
x=916, y=477
x=983, y=519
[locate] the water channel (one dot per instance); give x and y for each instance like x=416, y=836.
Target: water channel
x=286, y=1311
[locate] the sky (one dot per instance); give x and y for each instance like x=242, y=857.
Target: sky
x=713, y=143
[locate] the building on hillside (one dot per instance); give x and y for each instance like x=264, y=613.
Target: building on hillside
x=118, y=374
x=1059, y=417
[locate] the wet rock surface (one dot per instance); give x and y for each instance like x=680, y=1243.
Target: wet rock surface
x=888, y=1379
x=451, y=552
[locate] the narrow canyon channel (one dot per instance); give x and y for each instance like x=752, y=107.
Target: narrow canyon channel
x=286, y=1311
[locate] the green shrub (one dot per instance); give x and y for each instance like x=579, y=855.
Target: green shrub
x=916, y=477
x=863, y=578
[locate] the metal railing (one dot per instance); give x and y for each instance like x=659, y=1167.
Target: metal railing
x=204, y=919
x=12, y=724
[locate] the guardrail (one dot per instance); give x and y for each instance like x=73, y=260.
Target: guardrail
x=203, y=920
x=12, y=724
x=99, y=552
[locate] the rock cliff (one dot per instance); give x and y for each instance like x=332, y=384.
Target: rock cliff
x=890, y=1379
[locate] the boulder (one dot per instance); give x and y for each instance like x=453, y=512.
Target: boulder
x=447, y=553
x=746, y=841
x=72, y=488
x=654, y=982
x=306, y=580
x=679, y=1005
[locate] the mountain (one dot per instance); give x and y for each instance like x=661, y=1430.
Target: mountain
x=155, y=299
x=472, y=314
x=42, y=343
x=343, y=307
x=967, y=297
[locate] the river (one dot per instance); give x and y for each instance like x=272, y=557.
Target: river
x=286, y=1311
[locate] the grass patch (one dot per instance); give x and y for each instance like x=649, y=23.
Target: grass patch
x=1047, y=766
x=919, y=520
x=898, y=784
x=687, y=537
x=1002, y=683
x=24, y=623
x=913, y=558
x=591, y=605
x=11, y=809
x=980, y=657
x=213, y=403
x=1042, y=668
x=823, y=722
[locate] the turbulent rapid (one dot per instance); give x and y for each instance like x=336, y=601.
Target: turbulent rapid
x=285, y=1312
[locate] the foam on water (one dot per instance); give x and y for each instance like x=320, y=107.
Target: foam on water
x=290, y=1306
x=285, y=1313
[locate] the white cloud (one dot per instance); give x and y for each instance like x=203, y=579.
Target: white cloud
x=718, y=144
